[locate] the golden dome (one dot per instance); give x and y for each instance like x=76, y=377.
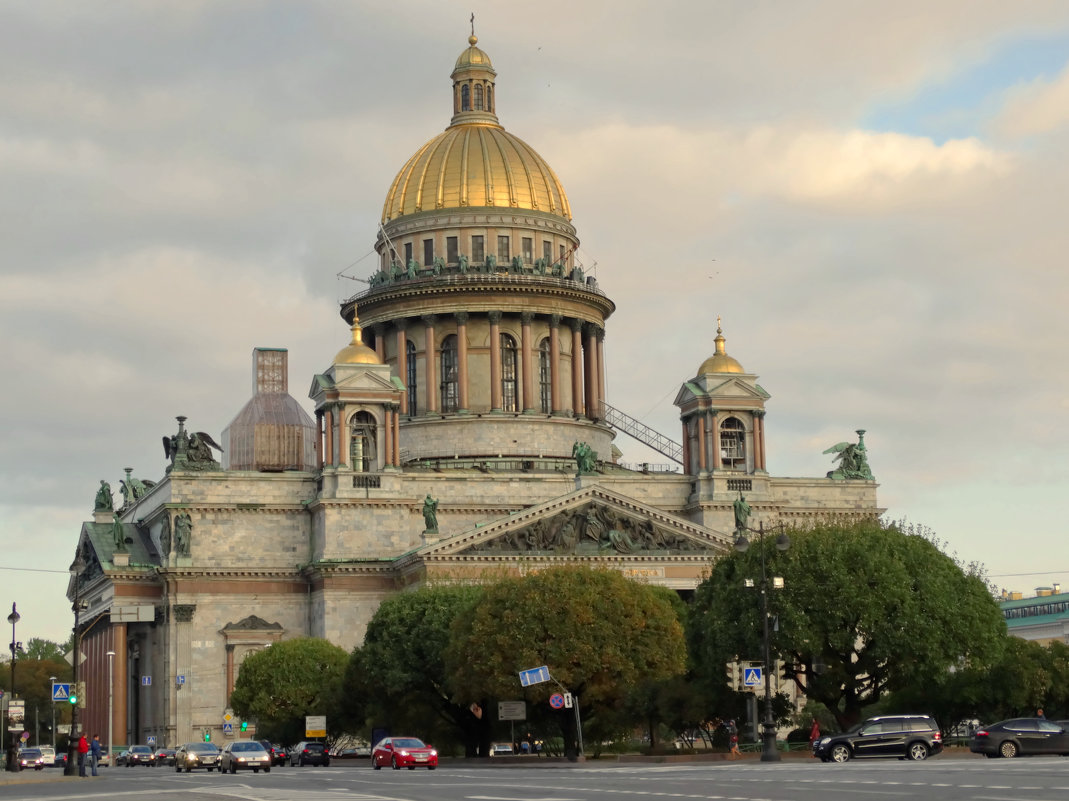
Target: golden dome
x=356, y=352
x=720, y=362
x=475, y=162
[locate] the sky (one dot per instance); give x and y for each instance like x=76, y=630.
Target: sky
x=871, y=196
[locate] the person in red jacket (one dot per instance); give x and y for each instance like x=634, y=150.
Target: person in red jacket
x=83, y=749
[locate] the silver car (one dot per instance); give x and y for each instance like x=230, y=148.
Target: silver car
x=244, y=755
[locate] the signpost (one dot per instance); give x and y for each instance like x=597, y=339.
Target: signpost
x=534, y=676
x=315, y=726
x=560, y=700
x=556, y=701
x=752, y=677
x=61, y=692
x=511, y=710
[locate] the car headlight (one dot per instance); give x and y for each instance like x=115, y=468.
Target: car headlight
x=825, y=740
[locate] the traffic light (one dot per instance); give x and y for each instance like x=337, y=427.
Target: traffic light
x=81, y=695
x=779, y=675
x=72, y=699
x=207, y=735
x=733, y=677
x=244, y=726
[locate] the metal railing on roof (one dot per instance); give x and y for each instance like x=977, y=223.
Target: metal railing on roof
x=638, y=430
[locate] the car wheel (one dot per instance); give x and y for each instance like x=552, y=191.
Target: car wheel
x=255, y=770
x=840, y=753
x=918, y=752
x=188, y=769
x=375, y=764
x=431, y=767
x=233, y=769
x=395, y=765
x=267, y=769
x=1008, y=749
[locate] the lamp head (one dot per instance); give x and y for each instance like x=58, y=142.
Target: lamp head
x=783, y=542
x=741, y=543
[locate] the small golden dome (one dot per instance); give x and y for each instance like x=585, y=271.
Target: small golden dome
x=356, y=352
x=720, y=362
x=473, y=56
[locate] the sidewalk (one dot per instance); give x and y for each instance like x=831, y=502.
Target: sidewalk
x=46, y=776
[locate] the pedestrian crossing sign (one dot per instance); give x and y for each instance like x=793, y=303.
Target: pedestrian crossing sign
x=752, y=677
x=61, y=692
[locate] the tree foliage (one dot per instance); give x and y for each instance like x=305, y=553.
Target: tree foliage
x=398, y=677
x=866, y=609
x=601, y=635
x=278, y=686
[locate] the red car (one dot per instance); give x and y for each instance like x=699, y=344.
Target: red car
x=404, y=752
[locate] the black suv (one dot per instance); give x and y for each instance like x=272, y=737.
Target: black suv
x=902, y=736
x=309, y=753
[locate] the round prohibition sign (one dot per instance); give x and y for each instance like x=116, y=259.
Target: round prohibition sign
x=556, y=701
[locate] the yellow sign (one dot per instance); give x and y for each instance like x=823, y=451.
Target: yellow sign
x=315, y=726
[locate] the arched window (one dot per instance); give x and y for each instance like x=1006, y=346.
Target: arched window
x=733, y=444
x=362, y=429
x=510, y=401
x=410, y=377
x=545, y=389
x=450, y=402
x=465, y=98
x=478, y=97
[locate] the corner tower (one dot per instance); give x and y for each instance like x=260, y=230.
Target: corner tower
x=478, y=303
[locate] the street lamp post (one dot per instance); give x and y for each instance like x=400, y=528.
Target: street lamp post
x=53, y=680
x=12, y=751
x=783, y=542
x=77, y=566
x=111, y=696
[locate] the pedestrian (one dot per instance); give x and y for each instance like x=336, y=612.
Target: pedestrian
x=1040, y=715
x=733, y=740
x=95, y=750
x=814, y=733
x=83, y=749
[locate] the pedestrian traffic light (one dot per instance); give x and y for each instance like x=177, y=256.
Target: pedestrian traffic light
x=81, y=695
x=244, y=726
x=733, y=677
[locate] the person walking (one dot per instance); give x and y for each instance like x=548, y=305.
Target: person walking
x=733, y=740
x=95, y=750
x=83, y=749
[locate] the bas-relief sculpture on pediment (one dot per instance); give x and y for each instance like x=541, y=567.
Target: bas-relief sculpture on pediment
x=591, y=529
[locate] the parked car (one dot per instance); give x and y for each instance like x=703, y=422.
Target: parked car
x=61, y=760
x=1021, y=737
x=903, y=736
x=164, y=756
x=309, y=753
x=139, y=755
x=196, y=755
x=277, y=752
x=403, y=752
x=355, y=752
x=30, y=758
x=501, y=749
x=244, y=755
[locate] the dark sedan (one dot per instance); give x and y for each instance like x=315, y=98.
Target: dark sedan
x=196, y=755
x=1021, y=737
x=139, y=755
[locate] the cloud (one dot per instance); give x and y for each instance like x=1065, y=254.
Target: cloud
x=1038, y=108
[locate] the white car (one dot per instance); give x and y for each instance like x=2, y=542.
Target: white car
x=48, y=755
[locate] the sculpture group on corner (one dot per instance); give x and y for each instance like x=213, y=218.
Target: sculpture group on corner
x=853, y=460
x=586, y=458
x=190, y=451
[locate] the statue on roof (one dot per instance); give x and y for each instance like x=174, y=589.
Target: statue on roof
x=183, y=533
x=742, y=513
x=117, y=533
x=853, y=460
x=104, y=501
x=586, y=458
x=190, y=451
x=462, y=263
x=430, y=513
x=133, y=489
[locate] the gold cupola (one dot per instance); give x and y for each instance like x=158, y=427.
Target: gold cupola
x=720, y=362
x=356, y=352
x=475, y=163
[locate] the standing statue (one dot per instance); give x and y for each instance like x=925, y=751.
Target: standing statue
x=742, y=513
x=104, y=502
x=490, y=263
x=462, y=262
x=117, y=533
x=853, y=460
x=183, y=533
x=430, y=513
x=439, y=265
x=585, y=458
x=412, y=268
x=165, y=537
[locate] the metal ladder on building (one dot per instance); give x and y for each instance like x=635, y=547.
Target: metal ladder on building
x=635, y=429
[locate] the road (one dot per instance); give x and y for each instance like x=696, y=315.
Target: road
x=940, y=779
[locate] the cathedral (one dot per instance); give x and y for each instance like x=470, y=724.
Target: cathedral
x=463, y=428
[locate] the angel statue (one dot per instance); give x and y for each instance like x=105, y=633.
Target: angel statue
x=586, y=458
x=853, y=460
x=190, y=451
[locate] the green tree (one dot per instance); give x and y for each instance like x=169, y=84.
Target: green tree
x=866, y=609
x=398, y=676
x=278, y=686
x=40, y=649
x=601, y=635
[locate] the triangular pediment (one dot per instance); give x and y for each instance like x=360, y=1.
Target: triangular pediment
x=376, y=380
x=592, y=521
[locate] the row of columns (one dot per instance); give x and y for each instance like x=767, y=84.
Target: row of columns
x=587, y=377
x=332, y=434
x=708, y=438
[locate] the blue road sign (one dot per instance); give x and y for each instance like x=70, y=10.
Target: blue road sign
x=146, y=681
x=61, y=692
x=180, y=679
x=556, y=701
x=228, y=728
x=752, y=677
x=534, y=676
